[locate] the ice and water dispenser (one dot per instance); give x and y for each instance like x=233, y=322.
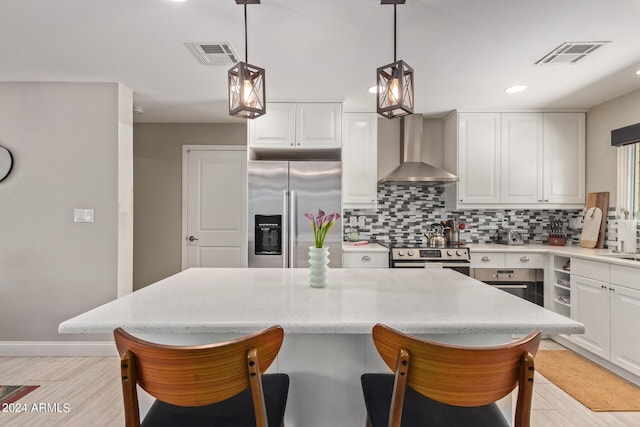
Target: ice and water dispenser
x=268, y=234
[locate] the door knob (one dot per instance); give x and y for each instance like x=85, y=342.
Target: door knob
x=192, y=238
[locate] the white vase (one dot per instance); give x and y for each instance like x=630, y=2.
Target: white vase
x=318, y=266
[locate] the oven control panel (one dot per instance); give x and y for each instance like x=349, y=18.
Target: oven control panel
x=430, y=254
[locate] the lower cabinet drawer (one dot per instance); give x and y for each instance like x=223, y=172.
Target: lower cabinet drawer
x=365, y=260
x=487, y=260
x=524, y=260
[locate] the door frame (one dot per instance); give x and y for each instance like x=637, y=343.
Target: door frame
x=185, y=175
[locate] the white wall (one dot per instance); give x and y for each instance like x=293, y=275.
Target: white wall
x=64, y=138
x=158, y=187
x=601, y=156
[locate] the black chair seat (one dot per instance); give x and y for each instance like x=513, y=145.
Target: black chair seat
x=419, y=410
x=236, y=411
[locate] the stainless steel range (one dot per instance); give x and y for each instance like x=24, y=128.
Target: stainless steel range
x=456, y=258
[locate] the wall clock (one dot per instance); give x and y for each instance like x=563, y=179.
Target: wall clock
x=6, y=162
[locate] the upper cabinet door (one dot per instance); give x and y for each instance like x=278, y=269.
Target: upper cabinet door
x=522, y=163
x=319, y=125
x=276, y=129
x=564, y=158
x=360, y=160
x=479, y=158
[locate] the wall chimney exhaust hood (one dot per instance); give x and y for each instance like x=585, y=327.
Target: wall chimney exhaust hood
x=412, y=168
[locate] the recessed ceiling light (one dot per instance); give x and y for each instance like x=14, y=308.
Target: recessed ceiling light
x=178, y=1
x=515, y=88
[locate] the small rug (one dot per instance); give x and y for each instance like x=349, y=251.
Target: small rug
x=11, y=393
x=593, y=386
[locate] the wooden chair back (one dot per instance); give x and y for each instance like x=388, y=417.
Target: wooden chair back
x=196, y=375
x=459, y=376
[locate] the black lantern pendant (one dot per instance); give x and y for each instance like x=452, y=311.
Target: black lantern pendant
x=394, y=81
x=246, y=82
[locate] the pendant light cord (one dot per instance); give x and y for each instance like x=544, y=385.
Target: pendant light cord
x=395, y=20
x=246, y=46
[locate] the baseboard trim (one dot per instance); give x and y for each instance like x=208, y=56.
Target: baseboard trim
x=57, y=348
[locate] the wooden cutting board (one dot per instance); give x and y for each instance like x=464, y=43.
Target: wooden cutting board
x=599, y=200
x=591, y=227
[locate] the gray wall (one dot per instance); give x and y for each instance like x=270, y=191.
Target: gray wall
x=64, y=138
x=601, y=156
x=157, y=149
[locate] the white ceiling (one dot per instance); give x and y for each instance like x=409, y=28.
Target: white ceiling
x=464, y=52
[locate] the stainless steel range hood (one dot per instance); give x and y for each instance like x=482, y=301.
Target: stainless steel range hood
x=412, y=168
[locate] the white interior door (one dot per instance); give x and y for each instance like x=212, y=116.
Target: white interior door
x=214, y=208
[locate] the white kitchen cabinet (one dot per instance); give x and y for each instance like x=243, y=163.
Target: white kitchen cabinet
x=521, y=139
x=524, y=260
x=625, y=335
x=564, y=158
x=305, y=125
x=510, y=259
x=365, y=259
x=524, y=160
x=372, y=255
x=625, y=315
x=276, y=129
x=479, y=158
x=590, y=306
x=606, y=298
x=360, y=160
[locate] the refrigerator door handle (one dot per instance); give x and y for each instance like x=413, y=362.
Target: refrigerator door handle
x=293, y=223
x=285, y=228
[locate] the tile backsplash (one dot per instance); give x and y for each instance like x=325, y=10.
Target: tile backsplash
x=406, y=210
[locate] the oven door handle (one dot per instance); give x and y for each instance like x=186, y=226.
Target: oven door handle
x=510, y=286
x=401, y=264
x=409, y=264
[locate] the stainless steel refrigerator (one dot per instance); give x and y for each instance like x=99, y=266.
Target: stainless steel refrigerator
x=280, y=193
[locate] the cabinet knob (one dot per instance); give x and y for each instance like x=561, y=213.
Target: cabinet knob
x=366, y=258
x=485, y=259
x=524, y=259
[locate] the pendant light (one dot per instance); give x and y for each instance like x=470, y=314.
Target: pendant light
x=246, y=82
x=394, y=81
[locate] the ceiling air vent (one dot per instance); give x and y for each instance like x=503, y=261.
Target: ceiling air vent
x=214, y=53
x=570, y=52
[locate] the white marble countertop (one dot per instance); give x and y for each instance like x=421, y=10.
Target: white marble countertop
x=369, y=247
x=242, y=300
x=600, y=255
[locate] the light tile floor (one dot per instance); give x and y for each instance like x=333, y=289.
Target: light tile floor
x=91, y=388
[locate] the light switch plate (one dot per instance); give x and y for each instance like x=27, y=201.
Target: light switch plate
x=353, y=220
x=83, y=215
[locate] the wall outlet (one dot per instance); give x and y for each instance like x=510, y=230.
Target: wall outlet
x=353, y=220
x=83, y=215
x=361, y=221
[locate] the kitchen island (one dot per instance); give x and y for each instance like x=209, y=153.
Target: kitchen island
x=327, y=344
